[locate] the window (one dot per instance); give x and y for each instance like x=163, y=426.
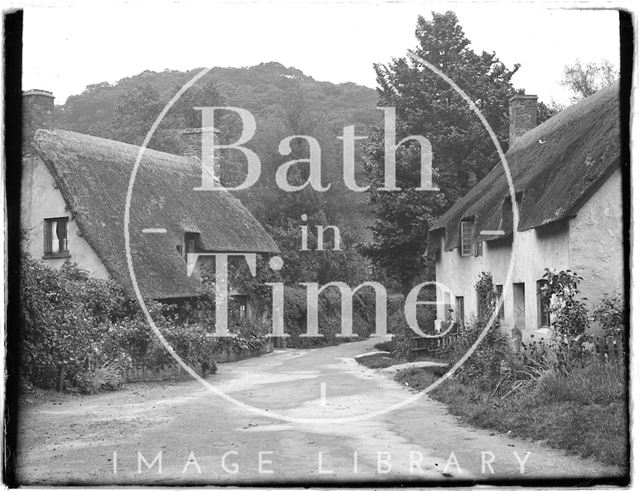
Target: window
x=190, y=242
x=478, y=248
x=460, y=310
x=240, y=302
x=56, y=243
x=466, y=238
x=499, y=293
x=519, y=306
x=544, y=317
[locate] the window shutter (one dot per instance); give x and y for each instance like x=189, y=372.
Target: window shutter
x=47, y=237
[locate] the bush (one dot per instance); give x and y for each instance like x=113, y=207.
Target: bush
x=329, y=316
x=568, y=312
x=251, y=336
x=610, y=314
x=84, y=333
x=402, y=334
x=57, y=329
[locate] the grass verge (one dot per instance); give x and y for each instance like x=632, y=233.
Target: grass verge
x=583, y=413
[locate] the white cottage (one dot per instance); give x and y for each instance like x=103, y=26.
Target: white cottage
x=568, y=188
x=73, y=195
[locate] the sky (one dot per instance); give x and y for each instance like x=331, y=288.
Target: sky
x=72, y=44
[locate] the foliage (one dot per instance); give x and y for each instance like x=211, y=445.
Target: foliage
x=585, y=80
x=56, y=327
x=250, y=336
x=283, y=101
x=569, y=316
x=544, y=391
x=417, y=378
x=610, y=314
x=329, y=317
x=402, y=334
x=593, y=384
x=486, y=362
x=487, y=296
x=583, y=413
x=426, y=105
x=86, y=333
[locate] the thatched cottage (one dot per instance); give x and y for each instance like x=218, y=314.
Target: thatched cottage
x=74, y=188
x=568, y=187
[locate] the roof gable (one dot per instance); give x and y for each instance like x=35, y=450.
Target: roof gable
x=93, y=176
x=555, y=168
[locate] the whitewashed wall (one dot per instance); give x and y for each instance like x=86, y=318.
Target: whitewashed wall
x=40, y=200
x=590, y=244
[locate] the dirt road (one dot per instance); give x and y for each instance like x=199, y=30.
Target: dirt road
x=182, y=433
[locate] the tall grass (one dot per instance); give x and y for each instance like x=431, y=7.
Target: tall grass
x=583, y=412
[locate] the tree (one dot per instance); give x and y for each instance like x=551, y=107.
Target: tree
x=135, y=113
x=183, y=111
x=463, y=151
x=585, y=80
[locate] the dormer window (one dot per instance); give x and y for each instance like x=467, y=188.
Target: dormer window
x=56, y=241
x=190, y=242
x=466, y=238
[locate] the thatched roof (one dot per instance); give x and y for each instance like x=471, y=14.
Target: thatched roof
x=555, y=168
x=93, y=175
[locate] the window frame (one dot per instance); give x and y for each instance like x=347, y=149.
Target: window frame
x=460, y=310
x=63, y=244
x=191, y=240
x=467, y=244
x=542, y=306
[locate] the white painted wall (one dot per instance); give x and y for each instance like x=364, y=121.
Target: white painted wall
x=534, y=251
x=40, y=200
x=596, y=247
x=590, y=243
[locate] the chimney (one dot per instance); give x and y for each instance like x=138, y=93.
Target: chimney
x=523, y=115
x=37, y=113
x=192, y=144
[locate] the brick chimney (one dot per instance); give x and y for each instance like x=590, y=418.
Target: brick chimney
x=523, y=115
x=37, y=113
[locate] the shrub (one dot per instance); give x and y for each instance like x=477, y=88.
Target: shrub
x=485, y=366
x=403, y=335
x=568, y=312
x=329, y=316
x=56, y=327
x=84, y=333
x=610, y=314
